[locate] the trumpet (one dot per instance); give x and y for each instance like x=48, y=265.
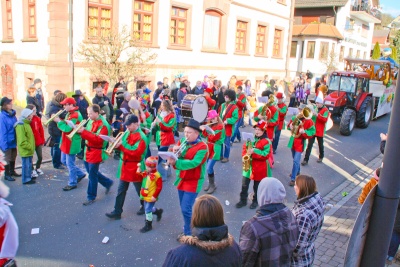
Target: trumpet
x=246, y=158
x=297, y=123
x=53, y=117
x=74, y=131
x=117, y=139
x=181, y=148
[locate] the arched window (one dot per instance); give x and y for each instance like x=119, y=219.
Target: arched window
x=212, y=29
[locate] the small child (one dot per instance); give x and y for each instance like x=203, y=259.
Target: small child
x=151, y=188
x=38, y=133
x=371, y=184
x=25, y=144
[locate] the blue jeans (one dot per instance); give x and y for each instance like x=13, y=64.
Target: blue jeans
x=236, y=132
x=227, y=147
x=276, y=139
x=56, y=152
x=149, y=209
x=186, y=201
x=26, y=169
x=251, y=116
x=74, y=171
x=95, y=177
x=210, y=166
x=394, y=244
x=296, y=164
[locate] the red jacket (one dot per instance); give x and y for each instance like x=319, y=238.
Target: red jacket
x=241, y=103
x=272, y=122
x=282, y=109
x=167, y=126
x=322, y=118
x=37, y=129
x=127, y=170
x=211, y=102
x=309, y=131
x=259, y=164
x=228, y=112
x=95, y=145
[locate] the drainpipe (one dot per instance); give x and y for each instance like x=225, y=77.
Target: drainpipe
x=289, y=44
x=71, y=44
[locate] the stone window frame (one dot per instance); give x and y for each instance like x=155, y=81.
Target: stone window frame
x=7, y=10
x=295, y=50
x=27, y=37
x=266, y=34
x=154, y=24
x=114, y=19
x=323, y=56
x=245, y=51
x=188, y=28
x=307, y=55
x=282, y=30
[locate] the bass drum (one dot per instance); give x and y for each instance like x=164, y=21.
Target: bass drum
x=194, y=107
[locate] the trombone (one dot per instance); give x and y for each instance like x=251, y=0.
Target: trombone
x=53, y=117
x=74, y=131
x=117, y=139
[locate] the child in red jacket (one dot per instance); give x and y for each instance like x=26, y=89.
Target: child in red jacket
x=38, y=132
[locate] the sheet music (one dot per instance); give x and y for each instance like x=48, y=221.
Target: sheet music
x=293, y=111
x=247, y=136
x=208, y=129
x=106, y=138
x=166, y=155
x=124, y=110
x=262, y=99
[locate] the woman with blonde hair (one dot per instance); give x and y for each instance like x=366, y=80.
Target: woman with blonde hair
x=32, y=99
x=210, y=243
x=309, y=213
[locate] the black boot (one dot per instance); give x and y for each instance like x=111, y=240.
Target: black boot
x=158, y=212
x=12, y=170
x=7, y=175
x=241, y=203
x=212, y=186
x=147, y=227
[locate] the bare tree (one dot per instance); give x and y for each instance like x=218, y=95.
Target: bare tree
x=116, y=54
x=330, y=61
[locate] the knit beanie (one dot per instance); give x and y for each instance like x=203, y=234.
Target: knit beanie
x=152, y=162
x=270, y=190
x=25, y=113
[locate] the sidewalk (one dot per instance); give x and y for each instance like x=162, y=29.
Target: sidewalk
x=331, y=244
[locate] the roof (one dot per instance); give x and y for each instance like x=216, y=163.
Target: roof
x=319, y=3
x=317, y=30
x=381, y=33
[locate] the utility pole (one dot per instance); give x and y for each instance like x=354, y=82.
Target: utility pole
x=387, y=195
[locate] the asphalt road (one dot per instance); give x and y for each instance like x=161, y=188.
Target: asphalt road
x=71, y=234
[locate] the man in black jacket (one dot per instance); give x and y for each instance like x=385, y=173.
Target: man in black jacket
x=104, y=102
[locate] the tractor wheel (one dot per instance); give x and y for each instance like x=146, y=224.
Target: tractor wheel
x=347, y=122
x=364, y=115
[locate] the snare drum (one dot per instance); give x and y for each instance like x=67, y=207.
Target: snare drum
x=194, y=107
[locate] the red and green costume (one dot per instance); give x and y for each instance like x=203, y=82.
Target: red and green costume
x=73, y=146
x=191, y=167
x=259, y=166
x=147, y=124
x=320, y=121
x=215, y=141
x=272, y=119
x=94, y=144
x=282, y=109
x=151, y=185
x=211, y=102
x=229, y=112
x=241, y=103
x=299, y=143
x=166, y=132
x=133, y=150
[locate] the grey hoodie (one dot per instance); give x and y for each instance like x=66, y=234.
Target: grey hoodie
x=270, y=190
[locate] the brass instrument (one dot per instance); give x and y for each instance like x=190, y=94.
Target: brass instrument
x=117, y=139
x=181, y=148
x=53, y=117
x=324, y=89
x=265, y=108
x=246, y=159
x=74, y=131
x=297, y=123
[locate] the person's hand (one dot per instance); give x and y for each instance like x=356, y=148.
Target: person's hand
x=80, y=130
x=56, y=119
x=171, y=161
x=260, y=117
x=301, y=131
x=118, y=144
x=202, y=127
x=106, y=103
x=175, y=148
x=153, y=199
x=383, y=137
x=138, y=167
x=290, y=127
x=225, y=122
x=250, y=151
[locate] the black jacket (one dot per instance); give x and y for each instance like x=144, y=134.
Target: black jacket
x=53, y=129
x=35, y=101
x=100, y=101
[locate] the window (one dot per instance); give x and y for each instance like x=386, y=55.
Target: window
x=293, y=49
x=178, y=26
x=212, y=29
x=333, y=47
x=260, y=40
x=341, y=54
x=323, y=52
x=310, y=49
x=365, y=55
x=32, y=18
x=276, y=52
x=350, y=52
x=358, y=54
x=100, y=18
x=241, y=31
x=8, y=32
x=143, y=20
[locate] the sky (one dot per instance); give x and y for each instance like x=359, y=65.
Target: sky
x=391, y=7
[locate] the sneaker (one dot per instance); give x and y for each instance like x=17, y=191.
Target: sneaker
x=253, y=205
x=80, y=178
x=319, y=160
x=35, y=174
x=389, y=260
x=140, y=211
x=113, y=215
x=304, y=163
x=39, y=171
x=30, y=182
x=33, y=178
x=69, y=187
x=9, y=178
x=88, y=202
x=224, y=160
x=291, y=183
x=274, y=152
x=61, y=167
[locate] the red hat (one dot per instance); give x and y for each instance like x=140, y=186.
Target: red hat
x=261, y=125
x=209, y=90
x=239, y=83
x=279, y=95
x=152, y=162
x=68, y=100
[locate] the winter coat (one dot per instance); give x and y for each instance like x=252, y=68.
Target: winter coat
x=382, y=146
x=320, y=121
x=67, y=146
x=7, y=131
x=181, y=95
x=52, y=127
x=259, y=163
x=229, y=112
x=100, y=101
x=82, y=104
x=207, y=247
x=282, y=109
x=309, y=214
x=34, y=101
x=241, y=103
x=25, y=139
x=269, y=238
x=37, y=129
x=191, y=167
x=167, y=126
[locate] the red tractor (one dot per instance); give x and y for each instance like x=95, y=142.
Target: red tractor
x=353, y=99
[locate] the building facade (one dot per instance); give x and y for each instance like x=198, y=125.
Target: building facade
x=246, y=38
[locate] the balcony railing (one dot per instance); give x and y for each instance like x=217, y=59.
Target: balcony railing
x=367, y=8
